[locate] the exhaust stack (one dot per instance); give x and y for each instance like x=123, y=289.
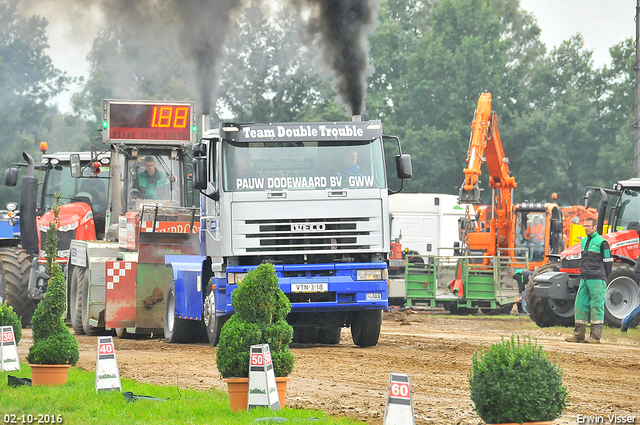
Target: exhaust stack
x=356, y=118
x=206, y=119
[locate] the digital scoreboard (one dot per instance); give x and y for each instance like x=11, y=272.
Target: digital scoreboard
x=151, y=122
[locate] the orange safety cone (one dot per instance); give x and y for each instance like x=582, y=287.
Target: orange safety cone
x=457, y=285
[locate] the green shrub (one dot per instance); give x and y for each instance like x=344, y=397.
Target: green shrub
x=516, y=382
x=8, y=317
x=260, y=309
x=52, y=340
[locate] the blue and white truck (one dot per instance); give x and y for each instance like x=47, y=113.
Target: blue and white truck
x=310, y=198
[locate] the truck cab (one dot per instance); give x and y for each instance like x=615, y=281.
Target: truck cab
x=310, y=198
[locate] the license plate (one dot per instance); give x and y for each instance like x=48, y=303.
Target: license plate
x=309, y=287
x=374, y=296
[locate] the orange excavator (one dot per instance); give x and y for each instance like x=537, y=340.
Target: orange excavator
x=528, y=233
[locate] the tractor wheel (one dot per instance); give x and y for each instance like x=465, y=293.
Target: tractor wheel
x=622, y=295
x=212, y=323
x=365, y=327
x=75, y=299
x=16, y=266
x=83, y=289
x=123, y=334
x=548, y=312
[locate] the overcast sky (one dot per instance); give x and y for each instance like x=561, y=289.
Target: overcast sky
x=602, y=23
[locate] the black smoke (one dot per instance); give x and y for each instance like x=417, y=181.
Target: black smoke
x=197, y=30
x=340, y=29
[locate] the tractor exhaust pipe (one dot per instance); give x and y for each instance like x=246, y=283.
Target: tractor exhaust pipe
x=206, y=119
x=356, y=118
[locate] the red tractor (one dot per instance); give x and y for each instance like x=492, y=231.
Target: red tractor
x=552, y=290
x=82, y=216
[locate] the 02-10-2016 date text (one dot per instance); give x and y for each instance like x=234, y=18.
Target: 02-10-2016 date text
x=44, y=418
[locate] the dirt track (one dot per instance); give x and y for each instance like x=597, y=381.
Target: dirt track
x=436, y=351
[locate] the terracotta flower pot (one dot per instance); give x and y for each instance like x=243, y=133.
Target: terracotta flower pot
x=49, y=374
x=238, y=389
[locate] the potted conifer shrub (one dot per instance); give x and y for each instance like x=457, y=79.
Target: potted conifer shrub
x=8, y=317
x=260, y=309
x=54, y=349
x=514, y=382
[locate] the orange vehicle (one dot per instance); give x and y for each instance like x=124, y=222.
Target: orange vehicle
x=527, y=232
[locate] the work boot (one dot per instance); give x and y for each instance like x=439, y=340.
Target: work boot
x=623, y=328
x=578, y=333
x=596, y=334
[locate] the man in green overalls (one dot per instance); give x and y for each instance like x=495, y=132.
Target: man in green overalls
x=594, y=269
x=151, y=181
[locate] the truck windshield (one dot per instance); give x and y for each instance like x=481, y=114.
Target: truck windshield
x=260, y=166
x=628, y=209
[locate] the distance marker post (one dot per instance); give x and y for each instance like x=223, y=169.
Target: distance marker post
x=107, y=372
x=399, y=409
x=8, y=350
x=262, y=379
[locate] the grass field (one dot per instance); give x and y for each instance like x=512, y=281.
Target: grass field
x=78, y=403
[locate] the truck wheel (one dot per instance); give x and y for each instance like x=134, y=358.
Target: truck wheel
x=365, y=327
x=548, y=312
x=75, y=299
x=83, y=288
x=16, y=265
x=175, y=330
x=212, y=323
x=329, y=335
x=305, y=334
x=621, y=297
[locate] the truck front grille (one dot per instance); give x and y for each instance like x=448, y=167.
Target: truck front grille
x=295, y=235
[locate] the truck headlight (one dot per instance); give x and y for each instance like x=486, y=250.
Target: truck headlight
x=372, y=274
x=235, y=278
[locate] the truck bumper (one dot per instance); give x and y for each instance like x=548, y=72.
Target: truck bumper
x=327, y=287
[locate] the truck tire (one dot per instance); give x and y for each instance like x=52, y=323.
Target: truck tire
x=75, y=299
x=622, y=295
x=212, y=323
x=176, y=330
x=83, y=289
x=365, y=327
x=548, y=312
x=16, y=266
x=329, y=335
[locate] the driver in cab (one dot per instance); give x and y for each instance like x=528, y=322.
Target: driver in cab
x=151, y=183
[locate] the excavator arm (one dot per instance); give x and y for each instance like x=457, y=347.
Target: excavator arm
x=485, y=146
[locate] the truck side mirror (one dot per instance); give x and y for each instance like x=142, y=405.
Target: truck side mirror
x=587, y=198
x=403, y=166
x=199, y=173
x=76, y=168
x=11, y=177
x=556, y=225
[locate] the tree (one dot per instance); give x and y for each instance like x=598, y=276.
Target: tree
x=442, y=55
x=28, y=80
x=560, y=151
x=269, y=75
x=129, y=61
x=616, y=153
